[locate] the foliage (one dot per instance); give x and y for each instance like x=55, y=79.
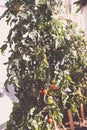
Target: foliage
x=44, y=52
x=80, y=4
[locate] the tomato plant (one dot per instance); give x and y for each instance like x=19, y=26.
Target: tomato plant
x=47, y=63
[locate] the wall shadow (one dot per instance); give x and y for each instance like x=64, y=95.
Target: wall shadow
x=2, y=126
x=11, y=93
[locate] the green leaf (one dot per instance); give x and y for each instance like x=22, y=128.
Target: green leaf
x=44, y=1
x=4, y=14
x=3, y=48
x=69, y=79
x=6, y=85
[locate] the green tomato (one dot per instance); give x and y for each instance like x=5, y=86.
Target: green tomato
x=50, y=100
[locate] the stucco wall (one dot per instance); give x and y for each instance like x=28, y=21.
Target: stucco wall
x=85, y=18
x=4, y=29
x=6, y=101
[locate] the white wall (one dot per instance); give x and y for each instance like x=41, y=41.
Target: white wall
x=4, y=29
x=6, y=101
x=85, y=18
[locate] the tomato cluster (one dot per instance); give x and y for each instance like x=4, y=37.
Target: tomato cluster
x=44, y=91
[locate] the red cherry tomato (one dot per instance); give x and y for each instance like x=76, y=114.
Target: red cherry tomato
x=53, y=87
x=44, y=91
x=49, y=120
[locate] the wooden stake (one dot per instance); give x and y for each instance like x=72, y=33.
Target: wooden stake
x=70, y=119
x=82, y=113
x=81, y=107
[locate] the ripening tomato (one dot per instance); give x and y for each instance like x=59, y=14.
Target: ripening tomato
x=53, y=87
x=44, y=91
x=51, y=93
x=49, y=120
